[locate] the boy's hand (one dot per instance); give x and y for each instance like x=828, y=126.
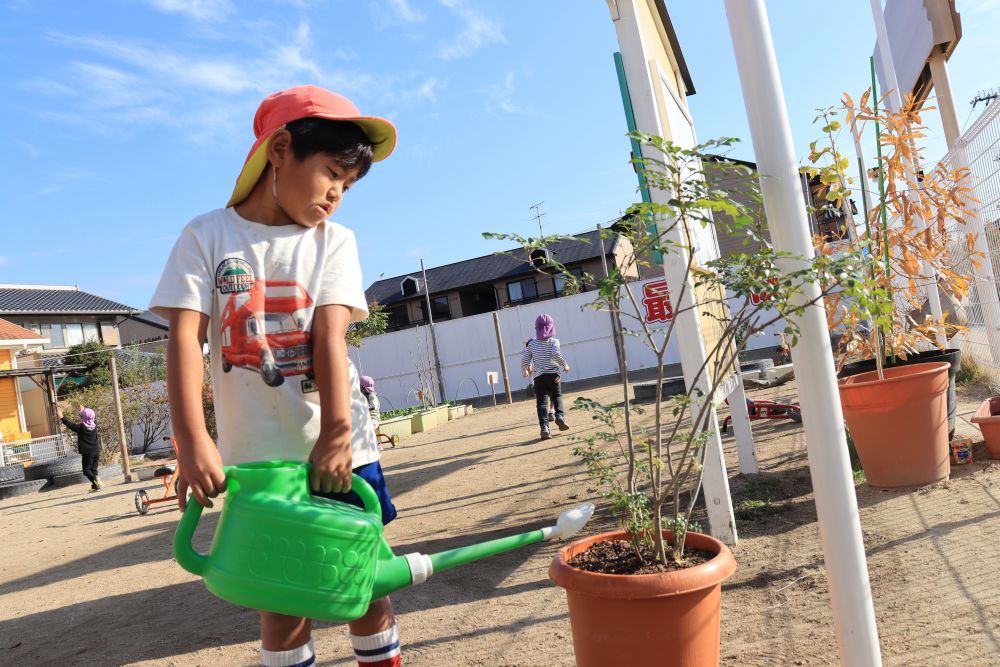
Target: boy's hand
x=566, y=368
x=331, y=463
x=201, y=471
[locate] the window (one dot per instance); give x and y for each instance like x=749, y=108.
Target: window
x=399, y=317
x=440, y=308
x=90, y=332
x=54, y=333
x=522, y=290
x=560, y=280
x=73, y=334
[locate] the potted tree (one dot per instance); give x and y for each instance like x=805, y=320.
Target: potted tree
x=650, y=592
x=900, y=376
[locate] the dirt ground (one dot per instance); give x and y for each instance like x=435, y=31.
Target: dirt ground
x=84, y=580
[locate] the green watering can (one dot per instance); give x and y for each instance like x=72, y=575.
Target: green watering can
x=279, y=548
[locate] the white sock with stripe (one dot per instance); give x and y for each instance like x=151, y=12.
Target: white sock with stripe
x=303, y=656
x=382, y=648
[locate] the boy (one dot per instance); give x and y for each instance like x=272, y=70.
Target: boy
x=272, y=285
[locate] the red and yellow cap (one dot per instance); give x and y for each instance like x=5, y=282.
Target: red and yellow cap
x=305, y=102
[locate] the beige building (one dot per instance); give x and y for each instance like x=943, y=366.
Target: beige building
x=62, y=316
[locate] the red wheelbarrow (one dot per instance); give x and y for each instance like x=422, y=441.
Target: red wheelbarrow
x=762, y=409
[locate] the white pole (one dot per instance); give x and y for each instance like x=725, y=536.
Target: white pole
x=833, y=484
x=895, y=103
x=986, y=282
x=742, y=429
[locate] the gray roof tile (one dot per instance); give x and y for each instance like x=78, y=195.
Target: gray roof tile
x=488, y=268
x=38, y=301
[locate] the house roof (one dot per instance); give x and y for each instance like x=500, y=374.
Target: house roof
x=57, y=300
x=10, y=333
x=488, y=268
x=152, y=319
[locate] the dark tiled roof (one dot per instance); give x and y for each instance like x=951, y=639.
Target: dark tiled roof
x=152, y=319
x=489, y=268
x=40, y=300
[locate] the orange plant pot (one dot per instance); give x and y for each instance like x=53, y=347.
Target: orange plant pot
x=900, y=424
x=669, y=618
x=988, y=420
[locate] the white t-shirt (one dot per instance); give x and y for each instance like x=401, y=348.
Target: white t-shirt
x=260, y=285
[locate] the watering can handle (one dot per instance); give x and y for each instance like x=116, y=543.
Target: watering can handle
x=186, y=556
x=364, y=490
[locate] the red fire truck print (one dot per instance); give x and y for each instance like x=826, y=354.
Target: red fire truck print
x=263, y=329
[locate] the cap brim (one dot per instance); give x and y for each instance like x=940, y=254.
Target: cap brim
x=379, y=131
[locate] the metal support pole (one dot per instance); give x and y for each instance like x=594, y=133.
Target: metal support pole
x=126, y=468
x=895, y=103
x=503, y=360
x=986, y=282
x=434, y=342
x=833, y=484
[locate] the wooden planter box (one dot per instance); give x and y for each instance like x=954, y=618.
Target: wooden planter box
x=442, y=414
x=399, y=426
x=456, y=412
x=469, y=410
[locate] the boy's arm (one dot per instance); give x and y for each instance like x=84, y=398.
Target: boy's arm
x=331, y=456
x=526, y=362
x=197, y=456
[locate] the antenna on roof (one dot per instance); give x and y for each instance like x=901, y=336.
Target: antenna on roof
x=985, y=96
x=538, y=217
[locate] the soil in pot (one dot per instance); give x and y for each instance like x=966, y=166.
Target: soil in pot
x=664, y=618
x=619, y=557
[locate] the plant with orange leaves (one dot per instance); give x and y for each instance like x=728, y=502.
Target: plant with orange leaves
x=916, y=231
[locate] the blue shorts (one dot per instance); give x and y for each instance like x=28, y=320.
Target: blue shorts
x=371, y=473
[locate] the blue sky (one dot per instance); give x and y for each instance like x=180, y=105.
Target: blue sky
x=123, y=119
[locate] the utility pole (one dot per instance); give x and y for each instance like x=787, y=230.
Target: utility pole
x=503, y=360
x=538, y=217
x=126, y=468
x=430, y=320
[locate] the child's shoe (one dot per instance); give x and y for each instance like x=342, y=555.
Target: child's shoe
x=545, y=434
x=563, y=426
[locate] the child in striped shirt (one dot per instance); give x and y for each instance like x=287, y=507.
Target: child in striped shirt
x=542, y=360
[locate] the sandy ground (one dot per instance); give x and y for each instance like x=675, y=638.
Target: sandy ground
x=84, y=580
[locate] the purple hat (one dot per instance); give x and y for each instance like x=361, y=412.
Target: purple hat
x=87, y=417
x=367, y=383
x=545, y=327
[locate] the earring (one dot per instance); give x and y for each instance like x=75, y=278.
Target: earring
x=274, y=183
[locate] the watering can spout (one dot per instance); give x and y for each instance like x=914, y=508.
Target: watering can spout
x=401, y=571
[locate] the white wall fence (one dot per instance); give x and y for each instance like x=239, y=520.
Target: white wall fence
x=979, y=149
x=468, y=349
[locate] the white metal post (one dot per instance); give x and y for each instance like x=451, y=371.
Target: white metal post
x=986, y=283
x=895, y=102
x=741, y=427
x=833, y=484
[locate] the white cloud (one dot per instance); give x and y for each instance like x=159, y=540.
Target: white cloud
x=402, y=11
x=479, y=32
x=500, y=97
x=199, y=10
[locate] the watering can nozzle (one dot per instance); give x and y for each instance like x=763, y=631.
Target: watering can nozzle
x=570, y=522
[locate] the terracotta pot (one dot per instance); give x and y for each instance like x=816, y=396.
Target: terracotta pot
x=988, y=419
x=900, y=424
x=952, y=356
x=670, y=618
